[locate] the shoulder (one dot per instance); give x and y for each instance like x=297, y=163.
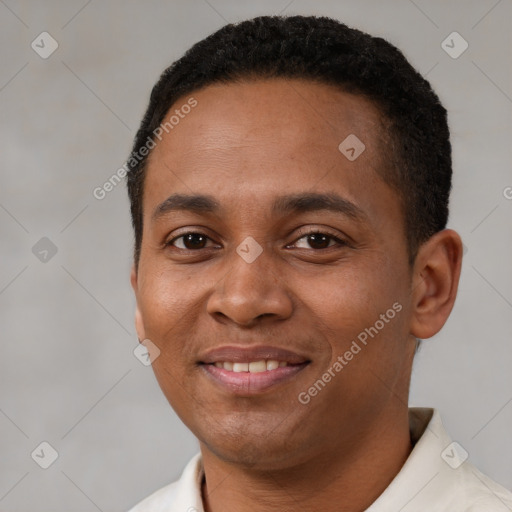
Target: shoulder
x=159, y=501
x=486, y=495
x=183, y=495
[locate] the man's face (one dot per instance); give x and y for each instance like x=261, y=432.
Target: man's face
x=252, y=278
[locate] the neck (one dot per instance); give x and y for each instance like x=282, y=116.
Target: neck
x=351, y=476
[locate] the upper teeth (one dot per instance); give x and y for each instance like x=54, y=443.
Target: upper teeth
x=252, y=367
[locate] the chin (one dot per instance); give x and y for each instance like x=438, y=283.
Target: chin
x=258, y=449
x=256, y=457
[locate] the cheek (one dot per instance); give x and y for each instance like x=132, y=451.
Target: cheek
x=166, y=302
x=346, y=300
x=363, y=317
x=361, y=305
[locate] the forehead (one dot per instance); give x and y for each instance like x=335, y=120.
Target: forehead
x=258, y=138
x=275, y=111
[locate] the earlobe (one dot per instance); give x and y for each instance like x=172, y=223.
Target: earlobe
x=435, y=283
x=133, y=278
x=139, y=325
x=139, y=322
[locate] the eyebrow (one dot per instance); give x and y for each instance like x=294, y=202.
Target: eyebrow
x=295, y=203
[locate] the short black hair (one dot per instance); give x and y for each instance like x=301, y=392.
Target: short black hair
x=324, y=50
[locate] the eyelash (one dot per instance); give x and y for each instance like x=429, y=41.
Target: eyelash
x=332, y=237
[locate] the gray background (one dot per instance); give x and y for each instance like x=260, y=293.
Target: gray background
x=68, y=375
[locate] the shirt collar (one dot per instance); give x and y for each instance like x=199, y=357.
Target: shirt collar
x=434, y=477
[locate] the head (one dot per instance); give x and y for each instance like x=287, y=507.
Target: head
x=292, y=193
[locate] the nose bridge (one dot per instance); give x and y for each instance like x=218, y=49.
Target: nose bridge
x=251, y=287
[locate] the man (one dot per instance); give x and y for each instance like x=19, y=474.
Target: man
x=289, y=190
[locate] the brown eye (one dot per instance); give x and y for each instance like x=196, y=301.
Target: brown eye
x=318, y=240
x=190, y=241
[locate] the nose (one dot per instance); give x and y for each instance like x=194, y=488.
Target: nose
x=250, y=292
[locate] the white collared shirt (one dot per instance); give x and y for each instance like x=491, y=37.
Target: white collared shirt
x=436, y=477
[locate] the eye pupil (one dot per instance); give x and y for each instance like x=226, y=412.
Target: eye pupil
x=194, y=241
x=317, y=239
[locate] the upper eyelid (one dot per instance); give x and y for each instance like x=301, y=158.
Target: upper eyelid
x=178, y=237
x=338, y=239
x=185, y=233
x=322, y=231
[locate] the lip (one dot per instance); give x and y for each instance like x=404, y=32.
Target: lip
x=247, y=354
x=246, y=383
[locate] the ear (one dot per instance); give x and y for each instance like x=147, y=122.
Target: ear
x=435, y=282
x=139, y=322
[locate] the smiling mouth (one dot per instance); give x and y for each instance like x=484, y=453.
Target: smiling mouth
x=252, y=366
x=251, y=370
x=252, y=378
